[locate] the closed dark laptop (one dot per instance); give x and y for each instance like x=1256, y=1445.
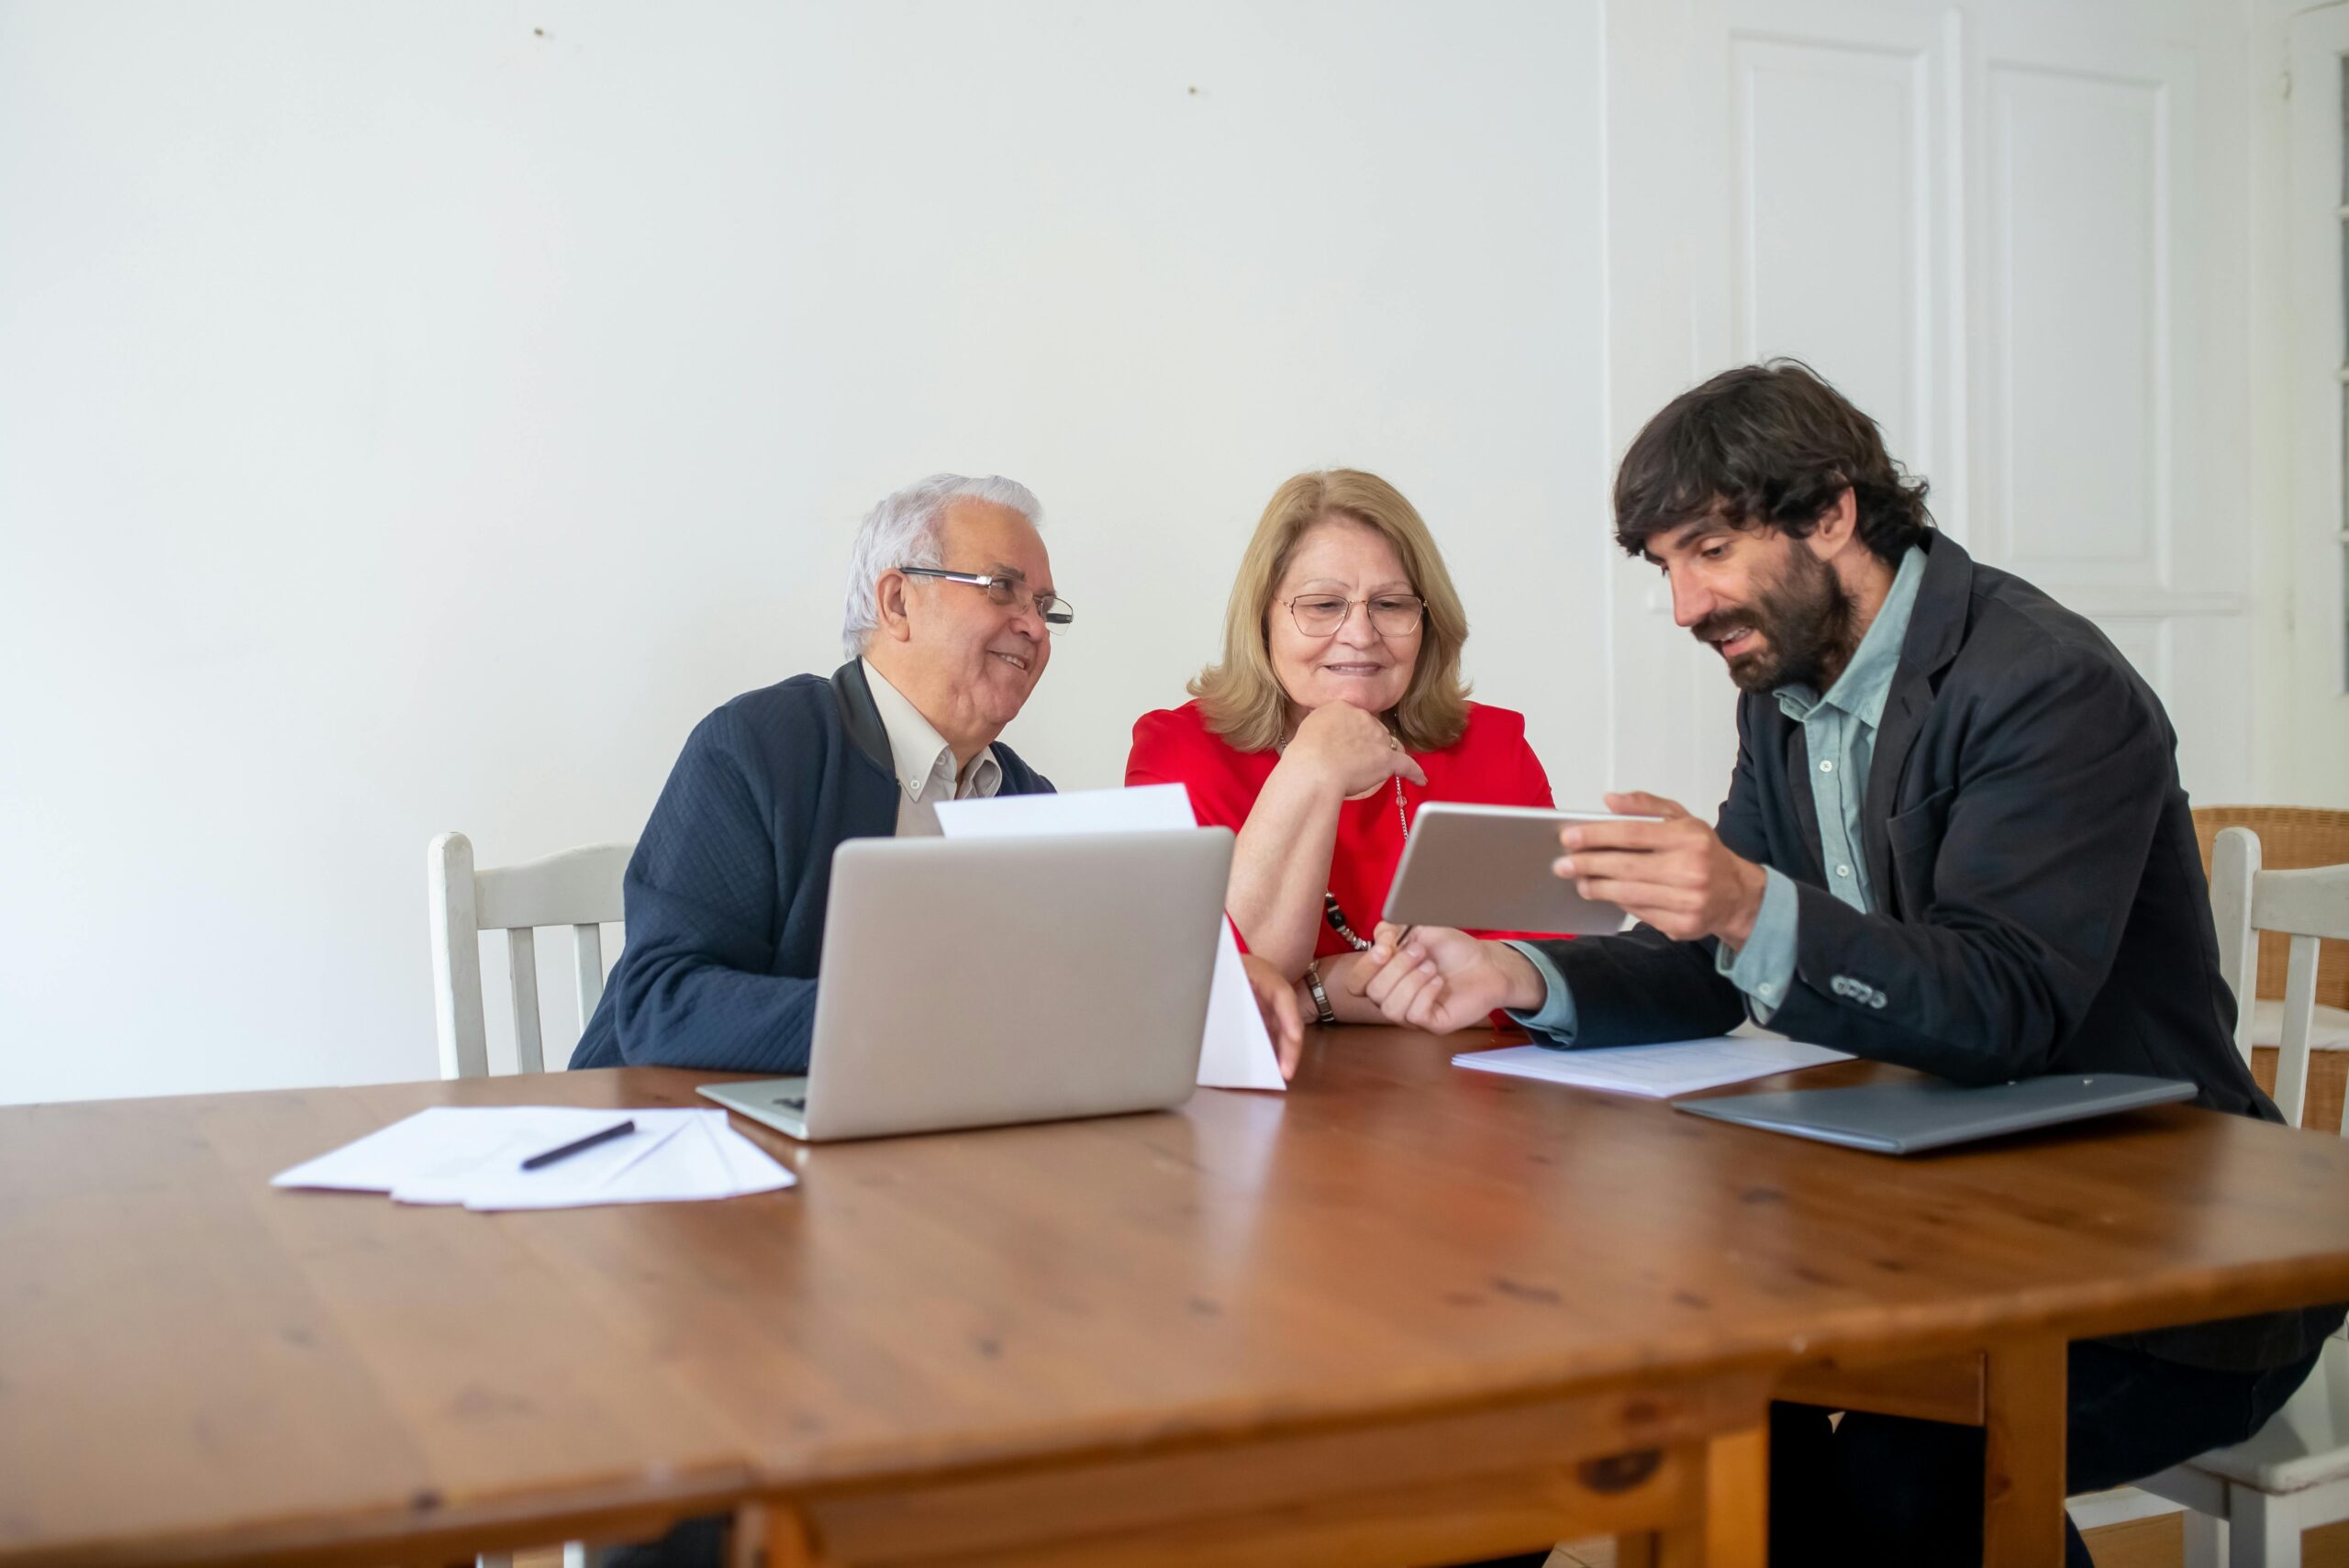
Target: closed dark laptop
x=1902, y=1118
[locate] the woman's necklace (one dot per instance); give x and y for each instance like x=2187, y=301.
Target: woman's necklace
x=1331, y=910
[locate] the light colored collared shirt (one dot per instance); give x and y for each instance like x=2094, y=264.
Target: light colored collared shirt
x=924, y=762
x=1839, y=735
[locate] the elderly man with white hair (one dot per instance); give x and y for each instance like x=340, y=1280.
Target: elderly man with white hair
x=948, y=626
x=950, y=611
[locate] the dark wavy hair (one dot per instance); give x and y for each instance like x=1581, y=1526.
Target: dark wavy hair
x=1769, y=445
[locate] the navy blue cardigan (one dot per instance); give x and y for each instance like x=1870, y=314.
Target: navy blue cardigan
x=725, y=895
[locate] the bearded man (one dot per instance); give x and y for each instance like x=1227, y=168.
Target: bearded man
x=1955, y=841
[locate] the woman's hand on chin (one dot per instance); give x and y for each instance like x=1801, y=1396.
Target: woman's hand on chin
x=1352, y=750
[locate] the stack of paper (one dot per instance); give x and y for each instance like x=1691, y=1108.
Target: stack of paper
x=1236, y=1053
x=472, y=1155
x=1656, y=1072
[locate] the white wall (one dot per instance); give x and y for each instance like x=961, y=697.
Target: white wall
x=417, y=416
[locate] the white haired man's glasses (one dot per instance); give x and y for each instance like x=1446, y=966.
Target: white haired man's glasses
x=1002, y=589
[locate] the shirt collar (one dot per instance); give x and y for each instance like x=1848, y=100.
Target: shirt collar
x=1866, y=681
x=924, y=762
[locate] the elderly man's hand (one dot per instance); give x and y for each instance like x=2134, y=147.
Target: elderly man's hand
x=1434, y=978
x=1675, y=874
x=1276, y=999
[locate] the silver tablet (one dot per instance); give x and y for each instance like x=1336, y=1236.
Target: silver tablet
x=1487, y=868
x=1910, y=1115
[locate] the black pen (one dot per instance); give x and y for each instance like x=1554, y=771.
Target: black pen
x=568, y=1150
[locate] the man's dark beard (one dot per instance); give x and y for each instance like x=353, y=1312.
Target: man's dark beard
x=1809, y=627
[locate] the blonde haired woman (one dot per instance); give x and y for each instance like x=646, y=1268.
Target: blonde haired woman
x=1336, y=709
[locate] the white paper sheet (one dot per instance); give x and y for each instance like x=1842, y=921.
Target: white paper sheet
x=472, y=1155
x=1654, y=1072
x=443, y=1139
x=1236, y=1053
x=1146, y=808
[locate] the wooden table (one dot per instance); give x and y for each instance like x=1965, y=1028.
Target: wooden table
x=1400, y=1314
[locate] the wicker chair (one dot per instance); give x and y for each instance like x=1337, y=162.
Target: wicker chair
x=2291, y=838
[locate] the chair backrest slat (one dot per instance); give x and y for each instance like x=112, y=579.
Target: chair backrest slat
x=2293, y=1051
x=2313, y=902
x=2299, y=1022
x=588, y=953
x=2234, y=862
x=578, y=888
x=522, y=967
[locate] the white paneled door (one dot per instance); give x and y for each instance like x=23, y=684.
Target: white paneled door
x=2311, y=541
x=2001, y=228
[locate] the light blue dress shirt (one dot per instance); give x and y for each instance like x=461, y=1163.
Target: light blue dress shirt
x=1839, y=734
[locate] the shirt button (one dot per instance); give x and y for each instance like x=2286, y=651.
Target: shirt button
x=1767, y=989
x=1843, y=871
x=1826, y=767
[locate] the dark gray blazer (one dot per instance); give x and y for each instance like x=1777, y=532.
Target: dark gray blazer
x=2042, y=902
x=726, y=892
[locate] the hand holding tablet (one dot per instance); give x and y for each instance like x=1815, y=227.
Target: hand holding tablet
x=1497, y=868
x=1668, y=869
x=1493, y=868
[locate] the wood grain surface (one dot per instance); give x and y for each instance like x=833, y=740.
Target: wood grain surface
x=193, y=1365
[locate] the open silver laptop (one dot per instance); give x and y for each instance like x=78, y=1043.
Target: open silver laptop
x=975, y=982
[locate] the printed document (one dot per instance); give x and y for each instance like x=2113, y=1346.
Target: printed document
x=1654, y=1072
x=471, y=1155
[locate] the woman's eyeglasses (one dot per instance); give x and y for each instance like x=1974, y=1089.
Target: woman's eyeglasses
x=1391, y=615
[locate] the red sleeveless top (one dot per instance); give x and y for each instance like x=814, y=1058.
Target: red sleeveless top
x=1490, y=765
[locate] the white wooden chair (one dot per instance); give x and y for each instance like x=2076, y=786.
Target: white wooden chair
x=578, y=888
x=2248, y=1503
x=2290, y=838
